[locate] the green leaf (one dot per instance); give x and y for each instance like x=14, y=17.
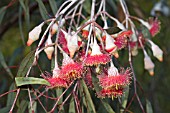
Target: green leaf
x=59, y=91
x=17, y=53
x=22, y=106
x=3, y=63
x=107, y=106
x=20, y=25
x=125, y=99
x=26, y=64
x=25, y=6
x=5, y=109
x=43, y=10
x=88, y=97
x=53, y=5
x=87, y=6
x=30, y=80
x=2, y=13
x=72, y=106
x=98, y=88
x=11, y=96
x=148, y=107
x=113, y=30
x=145, y=32
x=113, y=5
x=34, y=106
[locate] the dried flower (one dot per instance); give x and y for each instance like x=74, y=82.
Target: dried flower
x=34, y=34
x=49, y=50
x=149, y=65
x=157, y=52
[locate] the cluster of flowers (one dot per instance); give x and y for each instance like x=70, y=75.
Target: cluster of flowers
x=90, y=50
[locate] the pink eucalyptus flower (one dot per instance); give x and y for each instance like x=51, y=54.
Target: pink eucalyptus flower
x=70, y=69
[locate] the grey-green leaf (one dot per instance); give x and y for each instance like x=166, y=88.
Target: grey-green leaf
x=22, y=106
x=145, y=32
x=34, y=107
x=107, y=106
x=2, y=13
x=148, y=107
x=88, y=97
x=30, y=80
x=43, y=10
x=53, y=5
x=25, y=64
x=3, y=63
x=125, y=99
x=11, y=96
x=72, y=106
x=5, y=109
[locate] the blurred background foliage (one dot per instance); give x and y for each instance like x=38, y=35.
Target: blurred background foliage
x=17, y=17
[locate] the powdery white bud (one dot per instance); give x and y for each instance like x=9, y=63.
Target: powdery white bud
x=110, y=46
x=56, y=71
x=95, y=48
x=149, y=65
x=98, y=33
x=157, y=52
x=72, y=44
x=34, y=34
x=112, y=71
x=54, y=28
x=66, y=59
x=49, y=50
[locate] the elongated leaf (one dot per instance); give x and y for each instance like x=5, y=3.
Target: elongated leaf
x=53, y=5
x=25, y=64
x=20, y=26
x=34, y=106
x=107, y=106
x=25, y=6
x=148, y=107
x=125, y=99
x=113, y=5
x=5, y=109
x=11, y=96
x=88, y=97
x=42, y=9
x=22, y=106
x=72, y=106
x=17, y=52
x=58, y=93
x=98, y=89
x=3, y=63
x=145, y=32
x=30, y=80
x=87, y=6
x=2, y=13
